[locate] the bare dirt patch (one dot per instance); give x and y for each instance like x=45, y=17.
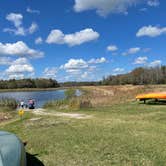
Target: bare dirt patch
x=35, y=119
x=4, y=116
x=41, y=111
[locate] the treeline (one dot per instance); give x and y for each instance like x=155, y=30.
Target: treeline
x=139, y=76
x=28, y=83
x=74, y=83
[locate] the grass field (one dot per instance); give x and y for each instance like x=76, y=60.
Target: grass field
x=126, y=134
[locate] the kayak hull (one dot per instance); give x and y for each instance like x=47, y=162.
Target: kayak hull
x=159, y=95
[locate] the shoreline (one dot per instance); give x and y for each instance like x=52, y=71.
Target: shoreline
x=32, y=89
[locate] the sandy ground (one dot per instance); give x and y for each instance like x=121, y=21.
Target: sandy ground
x=41, y=111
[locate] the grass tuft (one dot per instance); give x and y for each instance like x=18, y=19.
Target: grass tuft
x=8, y=103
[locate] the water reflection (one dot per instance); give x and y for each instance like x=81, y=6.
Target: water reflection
x=40, y=97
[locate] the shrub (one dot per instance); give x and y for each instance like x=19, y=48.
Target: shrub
x=70, y=93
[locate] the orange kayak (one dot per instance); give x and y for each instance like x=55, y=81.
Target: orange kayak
x=156, y=95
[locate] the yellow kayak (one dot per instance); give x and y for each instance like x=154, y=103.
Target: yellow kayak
x=155, y=95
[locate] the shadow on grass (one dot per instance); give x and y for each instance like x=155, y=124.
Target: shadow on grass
x=32, y=160
x=155, y=102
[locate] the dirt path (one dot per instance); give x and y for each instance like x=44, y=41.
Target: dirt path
x=41, y=111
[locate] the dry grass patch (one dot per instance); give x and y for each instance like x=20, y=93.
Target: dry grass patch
x=110, y=95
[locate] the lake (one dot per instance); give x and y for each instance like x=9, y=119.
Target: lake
x=40, y=97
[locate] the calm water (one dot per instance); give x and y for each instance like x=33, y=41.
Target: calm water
x=40, y=97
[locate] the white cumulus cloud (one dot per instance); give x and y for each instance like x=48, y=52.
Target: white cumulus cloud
x=75, y=64
x=50, y=72
x=133, y=50
x=18, y=31
x=20, y=49
x=38, y=40
x=141, y=60
x=58, y=37
x=98, y=60
x=118, y=70
x=155, y=63
x=33, y=28
x=104, y=7
x=5, y=60
x=112, y=48
x=80, y=69
x=153, y=3
x=19, y=68
x=85, y=75
x=17, y=20
x=151, y=31
x=32, y=11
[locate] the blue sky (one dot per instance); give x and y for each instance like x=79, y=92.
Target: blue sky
x=80, y=40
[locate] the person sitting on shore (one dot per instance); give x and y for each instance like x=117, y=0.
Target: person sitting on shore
x=31, y=104
x=22, y=104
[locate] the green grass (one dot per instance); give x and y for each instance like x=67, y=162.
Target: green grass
x=125, y=134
